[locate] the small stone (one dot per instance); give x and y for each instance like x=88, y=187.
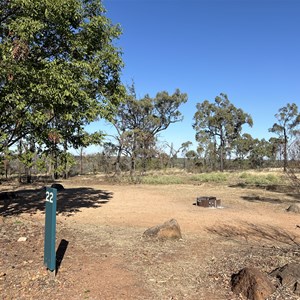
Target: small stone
x=295, y=208
x=22, y=239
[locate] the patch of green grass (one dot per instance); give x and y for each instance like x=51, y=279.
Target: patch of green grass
x=244, y=175
x=162, y=179
x=210, y=177
x=259, y=179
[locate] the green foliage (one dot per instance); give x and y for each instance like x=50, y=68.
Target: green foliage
x=138, y=122
x=66, y=162
x=259, y=151
x=218, y=124
x=41, y=163
x=59, y=69
x=288, y=121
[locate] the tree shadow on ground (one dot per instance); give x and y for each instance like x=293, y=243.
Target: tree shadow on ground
x=296, y=196
x=69, y=201
x=261, y=234
x=262, y=199
x=279, y=188
x=282, y=189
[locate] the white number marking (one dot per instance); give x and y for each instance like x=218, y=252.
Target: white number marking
x=49, y=197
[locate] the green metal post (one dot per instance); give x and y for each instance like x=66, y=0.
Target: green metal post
x=50, y=229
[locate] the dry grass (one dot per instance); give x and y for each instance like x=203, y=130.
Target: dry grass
x=108, y=257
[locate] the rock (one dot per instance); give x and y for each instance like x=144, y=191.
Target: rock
x=297, y=288
x=58, y=186
x=167, y=230
x=289, y=275
x=252, y=284
x=294, y=208
x=22, y=239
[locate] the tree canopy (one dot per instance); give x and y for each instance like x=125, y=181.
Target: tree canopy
x=220, y=122
x=288, y=119
x=59, y=69
x=138, y=121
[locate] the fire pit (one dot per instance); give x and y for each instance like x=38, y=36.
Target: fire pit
x=208, y=202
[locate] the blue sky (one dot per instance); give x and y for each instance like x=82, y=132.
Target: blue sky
x=248, y=49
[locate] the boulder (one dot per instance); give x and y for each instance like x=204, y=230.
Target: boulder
x=57, y=186
x=289, y=276
x=252, y=284
x=167, y=230
x=294, y=208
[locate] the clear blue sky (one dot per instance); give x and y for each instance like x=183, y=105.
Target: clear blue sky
x=248, y=49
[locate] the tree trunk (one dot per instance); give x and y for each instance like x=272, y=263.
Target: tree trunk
x=221, y=159
x=28, y=175
x=19, y=163
x=222, y=146
x=118, y=162
x=285, y=158
x=132, y=165
x=81, y=160
x=55, y=168
x=65, y=160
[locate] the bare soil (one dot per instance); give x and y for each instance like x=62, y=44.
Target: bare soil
x=102, y=253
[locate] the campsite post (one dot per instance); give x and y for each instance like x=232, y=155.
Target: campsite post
x=50, y=230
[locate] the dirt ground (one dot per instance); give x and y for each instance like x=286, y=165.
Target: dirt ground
x=102, y=254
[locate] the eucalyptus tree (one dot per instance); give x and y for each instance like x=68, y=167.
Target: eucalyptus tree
x=243, y=146
x=288, y=120
x=220, y=122
x=173, y=152
x=276, y=146
x=185, y=149
x=260, y=151
x=138, y=122
x=192, y=156
x=59, y=69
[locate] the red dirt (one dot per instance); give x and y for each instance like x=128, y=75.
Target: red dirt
x=108, y=258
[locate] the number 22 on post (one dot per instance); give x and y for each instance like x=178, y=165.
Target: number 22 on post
x=49, y=197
